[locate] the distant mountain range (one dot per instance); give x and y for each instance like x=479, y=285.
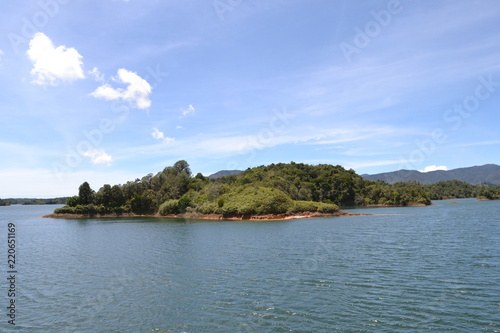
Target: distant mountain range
x=476, y=175
x=223, y=173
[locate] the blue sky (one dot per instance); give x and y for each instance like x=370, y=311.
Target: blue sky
x=107, y=91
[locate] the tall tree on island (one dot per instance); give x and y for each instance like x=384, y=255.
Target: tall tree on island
x=85, y=194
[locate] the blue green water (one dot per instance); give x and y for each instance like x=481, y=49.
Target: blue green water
x=413, y=269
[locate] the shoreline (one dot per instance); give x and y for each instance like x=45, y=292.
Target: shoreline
x=388, y=205
x=213, y=217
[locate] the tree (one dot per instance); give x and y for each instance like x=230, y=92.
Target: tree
x=181, y=166
x=73, y=201
x=200, y=176
x=85, y=194
x=103, y=196
x=149, y=204
x=117, y=198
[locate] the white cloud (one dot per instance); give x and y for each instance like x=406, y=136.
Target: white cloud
x=1, y=54
x=53, y=64
x=96, y=74
x=99, y=156
x=434, y=168
x=186, y=112
x=137, y=92
x=159, y=135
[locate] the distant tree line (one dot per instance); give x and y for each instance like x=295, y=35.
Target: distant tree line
x=488, y=192
x=25, y=201
x=453, y=189
x=273, y=189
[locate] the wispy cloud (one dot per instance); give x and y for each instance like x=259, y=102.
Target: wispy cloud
x=157, y=134
x=473, y=144
x=137, y=93
x=361, y=165
x=188, y=111
x=96, y=74
x=225, y=144
x=51, y=64
x=160, y=136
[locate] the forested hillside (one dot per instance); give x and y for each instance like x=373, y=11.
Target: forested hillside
x=274, y=189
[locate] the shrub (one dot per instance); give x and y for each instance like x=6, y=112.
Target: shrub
x=327, y=208
x=120, y=210
x=256, y=200
x=311, y=206
x=169, y=207
x=104, y=210
x=210, y=208
x=72, y=201
x=304, y=206
x=65, y=210
x=183, y=203
x=90, y=209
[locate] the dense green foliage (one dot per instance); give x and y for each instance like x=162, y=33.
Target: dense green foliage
x=274, y=189
x=247, y=200
x=397, y=194
x=489, y=192
x=451, y=189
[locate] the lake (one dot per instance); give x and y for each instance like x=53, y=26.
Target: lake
x=413, y=269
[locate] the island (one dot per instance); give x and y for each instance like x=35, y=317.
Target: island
x=276, y=191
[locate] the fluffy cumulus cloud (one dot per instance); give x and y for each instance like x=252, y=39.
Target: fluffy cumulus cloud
x=434, y=168
x=51, y=64
x=186, y=112
x=136, y=93
x=99, y=156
